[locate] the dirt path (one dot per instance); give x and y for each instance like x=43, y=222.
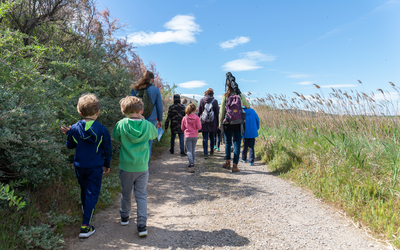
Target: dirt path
x=216, y=209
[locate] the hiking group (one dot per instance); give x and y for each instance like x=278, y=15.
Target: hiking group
x=143, y=111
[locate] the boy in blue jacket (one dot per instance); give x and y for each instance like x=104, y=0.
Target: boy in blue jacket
x=93, y=154
x=250, y=133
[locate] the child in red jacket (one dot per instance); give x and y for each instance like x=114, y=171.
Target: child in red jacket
x=190, y=126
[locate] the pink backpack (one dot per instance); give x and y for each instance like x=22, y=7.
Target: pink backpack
x=234, y=113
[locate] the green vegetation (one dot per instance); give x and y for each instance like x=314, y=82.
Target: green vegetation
x=51, y=53
x=342, y=148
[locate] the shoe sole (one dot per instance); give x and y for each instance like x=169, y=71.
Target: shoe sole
x=142, y=234
x=124, y=223
x=86, y=235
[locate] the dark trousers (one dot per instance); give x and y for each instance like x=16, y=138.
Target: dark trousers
x=248, y=146
x=207, y=135
x=90, y=181
x=235, y=134
x=217, y=140
x=181, y=141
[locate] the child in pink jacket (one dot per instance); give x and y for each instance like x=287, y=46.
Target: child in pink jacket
x=190, y=126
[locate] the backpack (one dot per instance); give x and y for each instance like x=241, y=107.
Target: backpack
x=234, y=112
x=208, y=112
x=148, y=105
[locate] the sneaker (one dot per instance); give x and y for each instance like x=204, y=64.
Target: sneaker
x=86, y=231
x=124, y=221
x=142, y=230
x=215, y=147
x=191, y=168
x=211, y=153
x=205, y=156
x=244, y=161
x=218, y=149
x=171, y=151
x=183, y=154
x=251, y=163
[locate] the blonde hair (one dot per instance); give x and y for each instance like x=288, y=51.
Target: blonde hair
x=190, y=108
x=144, y=81
x=130, y=105
x=88, y=105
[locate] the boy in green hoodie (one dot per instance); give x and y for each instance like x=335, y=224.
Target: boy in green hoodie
x=134, y=133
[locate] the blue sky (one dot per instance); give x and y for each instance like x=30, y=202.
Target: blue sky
x=275, y=47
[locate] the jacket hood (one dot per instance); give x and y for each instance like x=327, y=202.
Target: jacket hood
x=177, y=98
x=89, y=131
x=208, y=98
x=134, y=130
x=191, y=118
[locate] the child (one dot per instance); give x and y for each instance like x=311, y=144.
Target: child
x=250, y=133
x=175, y=114
x=134, y=133
x=92, y=155
x=191, y=125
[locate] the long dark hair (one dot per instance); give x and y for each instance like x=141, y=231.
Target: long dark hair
x=231, y=85
x=144, y=81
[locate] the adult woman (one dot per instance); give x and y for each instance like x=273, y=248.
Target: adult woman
x=156, y=116
x=231, y=130
x=208, y=113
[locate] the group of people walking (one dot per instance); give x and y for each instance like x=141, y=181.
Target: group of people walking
x=143, y=112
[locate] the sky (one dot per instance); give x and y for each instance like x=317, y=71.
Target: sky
x=271, y=47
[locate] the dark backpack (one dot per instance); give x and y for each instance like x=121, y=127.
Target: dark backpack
x=234, y=112
x=148, y=105
x=208, y=112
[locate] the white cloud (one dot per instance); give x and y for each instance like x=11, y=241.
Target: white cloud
x=192, y=84
x=234, y=42
x=339, y=86
x=181, y=29
x=299, y=76
x=244, y=80
x=249, y=62
x=305, y=83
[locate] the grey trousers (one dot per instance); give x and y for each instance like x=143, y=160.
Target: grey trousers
x=138, y=182
x=191, y=148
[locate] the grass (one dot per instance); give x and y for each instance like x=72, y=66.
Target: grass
x=343, y=149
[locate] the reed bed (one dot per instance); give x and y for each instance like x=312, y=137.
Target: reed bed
x=344, y=147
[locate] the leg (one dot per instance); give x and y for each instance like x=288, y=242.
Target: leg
x=93, y=180
x=212, y=137
x=205, y=143
x=171, y=150
x=252, y=142
x=245, y=148
x=140, y=191
x=181, y=143
x=218, y=138
x=80, y=175
x=189, y=146
x=228, y=143
x=237, y=142
x=127, y=180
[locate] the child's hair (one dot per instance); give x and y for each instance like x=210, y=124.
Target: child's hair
x=209, y=91
x=88, y=105
x=190, y=108
x=130, y=105
x=144, y=81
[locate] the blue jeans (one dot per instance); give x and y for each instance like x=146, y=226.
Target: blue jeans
x=217, y=140
x=90, y=181
x=248, y=145
x=138, y=182
x=181, y=141
x=228, y=143
x=151, y=141
x=191, y=148
x=205, y=142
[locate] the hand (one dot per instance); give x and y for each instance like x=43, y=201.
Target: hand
x=65, y=129
x=219, y=127
x=159, y=124
x=106, y=170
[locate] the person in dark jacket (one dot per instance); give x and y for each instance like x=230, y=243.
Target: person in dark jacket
x=250, y=134
x=208, y=126
x=156, y=116
x=175, y=114
x=92, y=156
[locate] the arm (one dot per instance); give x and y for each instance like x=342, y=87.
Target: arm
x=168, y=118
x=244, y=101
x=107, y=149
x=115, y=134
x=201, y=107
x=257, y=121
x=153, y=132
x=198, y=123
x=222, y=111
x=216, y=109
x=72, y=141
x=183, y=127
x=159, y=106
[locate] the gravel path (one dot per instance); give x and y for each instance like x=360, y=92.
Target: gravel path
x=216, y=209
